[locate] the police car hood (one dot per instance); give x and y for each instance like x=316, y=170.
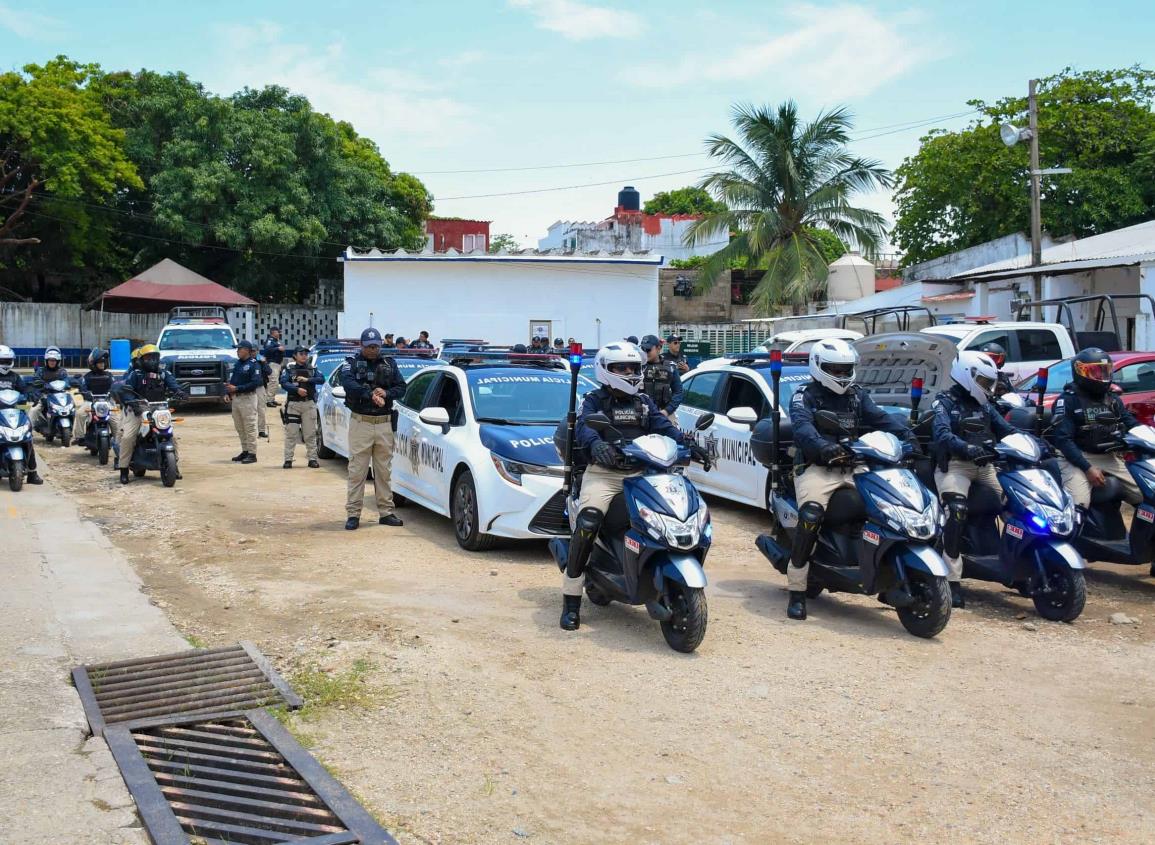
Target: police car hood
x=888, y=362
x=530, y=444
x=170, y=356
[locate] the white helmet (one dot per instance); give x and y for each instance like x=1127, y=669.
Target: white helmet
x=618, y=366
x=976, y=373
x=832, y=364
x=52, y=353
x=7, y=360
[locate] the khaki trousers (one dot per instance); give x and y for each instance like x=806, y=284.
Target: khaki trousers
x=958, y=478
x=599, y=486
x=84, y=416
x=370, y=443
x=1076, y=483
x=274, y=383
x=129, y=432
x=304, y=431
x=816, y=484
x=262, y=421
x=245, y=418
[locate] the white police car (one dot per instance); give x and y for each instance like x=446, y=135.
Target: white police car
x=719, y=386
x=333, y=414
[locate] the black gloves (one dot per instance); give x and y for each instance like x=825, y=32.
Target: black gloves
x=702, y=456
x=975, y=453
x=604, y=454
x=831, y=453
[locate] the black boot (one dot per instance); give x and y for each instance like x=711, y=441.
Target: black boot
x=124, y=476
x=571, y=608
x=957, y=600
x=796, y=609
x=287, y=465
x=34, y=478
x=239, y=457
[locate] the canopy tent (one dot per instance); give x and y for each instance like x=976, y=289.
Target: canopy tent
x=166, y=285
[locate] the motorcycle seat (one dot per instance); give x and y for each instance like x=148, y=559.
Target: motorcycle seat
x=1109, y=492
x=984, y=501
x=617, y=519
x=846, y=506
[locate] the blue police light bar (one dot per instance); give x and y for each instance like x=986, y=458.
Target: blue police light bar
x=776, y=361
x=1041, y=381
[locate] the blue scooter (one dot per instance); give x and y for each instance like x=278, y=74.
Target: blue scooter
x=15, y=439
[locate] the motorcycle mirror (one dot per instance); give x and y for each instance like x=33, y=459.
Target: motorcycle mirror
x=973, y=426
x=598, y=422
x=828, y=421
x=704, y=422
x=1106, y=418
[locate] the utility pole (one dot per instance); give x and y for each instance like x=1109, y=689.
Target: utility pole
x=1036, y=190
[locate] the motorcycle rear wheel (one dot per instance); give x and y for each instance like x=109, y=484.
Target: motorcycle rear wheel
x=931, y=611
x=16, y=476
x=687, y=628
x=168, y=469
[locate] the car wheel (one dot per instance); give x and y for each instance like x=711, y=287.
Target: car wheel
x=466, y=518
x=323, y=451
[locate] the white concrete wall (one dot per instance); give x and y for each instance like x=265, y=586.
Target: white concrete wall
x=946, y=266
x=37, y=324
x=496, y=300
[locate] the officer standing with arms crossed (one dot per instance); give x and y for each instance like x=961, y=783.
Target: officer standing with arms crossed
x=820, y=466
x=372, y=383
x=274, y=352
x=300, y=382
x=660, y=380
x=246, y=391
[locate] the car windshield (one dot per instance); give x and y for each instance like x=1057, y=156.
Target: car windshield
x=177, y=339
x=1057, y=376
x=521, y=397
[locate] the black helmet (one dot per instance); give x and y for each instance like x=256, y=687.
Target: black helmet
x=995, y=352
x=96, y=356
x=1093, y=371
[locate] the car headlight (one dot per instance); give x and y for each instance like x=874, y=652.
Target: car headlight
x=512, y=471
x=921, y=525
x=162, y=418
x=16, y=433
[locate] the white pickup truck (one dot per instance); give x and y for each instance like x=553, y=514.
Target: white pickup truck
x=1028, y=345
x=199, y=348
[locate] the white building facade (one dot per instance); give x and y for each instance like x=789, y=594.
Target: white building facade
x=504, y=299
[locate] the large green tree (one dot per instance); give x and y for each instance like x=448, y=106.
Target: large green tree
x=965, y=188
x=688, y=200
x=786, y=179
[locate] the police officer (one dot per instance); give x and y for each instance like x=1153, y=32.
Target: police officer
x=819, y=461
x=96, y=382
x=246, y=390
x=51, y=370
x=618, y=368
x=266, y=380
x=422, y=342
x=660, y=379
x=300, y=381
x=147, y=383
x=673, y=354
x=274, y=353
x=965, y=419
x=372, y=383
x=12, y=380
x=1088, y=420
x=388, y=343
x=998, y=354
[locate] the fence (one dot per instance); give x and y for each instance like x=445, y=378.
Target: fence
x=724, y=338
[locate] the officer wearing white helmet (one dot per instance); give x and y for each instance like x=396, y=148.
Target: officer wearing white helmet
x=618, y=368
x=51, y=370
x=965, y=420
x=12, y=380
x=820, y=463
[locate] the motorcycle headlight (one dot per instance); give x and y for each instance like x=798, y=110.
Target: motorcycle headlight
x=1044, y=519
x=512, y=471
x=653, y=522
x=18, y=432
x=101, y=408
x=921, y=525
x=162, y=418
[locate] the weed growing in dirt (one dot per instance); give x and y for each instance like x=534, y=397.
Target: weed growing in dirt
x=346, y=688
x=195, y=641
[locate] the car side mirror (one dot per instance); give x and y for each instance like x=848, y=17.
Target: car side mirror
x=743, y=416
x=704, y=422
x=436, y=417
x=339, y=392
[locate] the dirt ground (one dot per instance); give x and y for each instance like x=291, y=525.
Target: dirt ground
x=479, y=721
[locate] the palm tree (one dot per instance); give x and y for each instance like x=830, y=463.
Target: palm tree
x=787, y=178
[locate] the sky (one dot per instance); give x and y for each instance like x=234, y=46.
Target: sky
x=488, y=98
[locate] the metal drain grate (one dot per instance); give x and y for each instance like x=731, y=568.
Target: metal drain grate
x=238, y=779
x=157, y=690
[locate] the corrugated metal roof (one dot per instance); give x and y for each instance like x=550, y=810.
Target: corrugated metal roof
x=544, y=255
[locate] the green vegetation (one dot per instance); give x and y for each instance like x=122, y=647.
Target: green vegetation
x=689, y=200
x=323, y=690
x=965, y=188
x=504, y=241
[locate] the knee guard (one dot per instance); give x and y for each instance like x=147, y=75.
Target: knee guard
x=582, y=542
x=956, y=523
x=809, y=522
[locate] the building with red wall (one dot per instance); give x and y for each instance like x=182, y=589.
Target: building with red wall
x=445, y=233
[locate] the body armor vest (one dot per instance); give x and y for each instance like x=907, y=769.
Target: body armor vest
x=98, y=382
x=301, y=371
x=152, y=387
x=1097, y=421
x=631, y=416
x=656, y=383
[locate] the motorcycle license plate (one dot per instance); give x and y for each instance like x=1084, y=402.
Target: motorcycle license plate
x=198, y=391
x=1145, y=514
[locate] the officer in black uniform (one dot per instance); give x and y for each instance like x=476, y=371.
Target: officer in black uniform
x=660, y=379
x=51, y=370
x=12, y=380
x=300, y=382
x=998, y=354
x=674, y=355
x=422, y=342
x=148, y=383
x=1088, y=419
x=274, y=353
x=96, y=382
x=372, y=384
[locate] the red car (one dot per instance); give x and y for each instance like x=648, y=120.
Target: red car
x=1134, y=381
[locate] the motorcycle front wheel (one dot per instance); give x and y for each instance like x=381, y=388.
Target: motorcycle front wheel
x=1067, y=596
x=687, y=627
x=16, y=476
x=102, y=450
x=168, y=469
x=66, y=438
x=931, y=609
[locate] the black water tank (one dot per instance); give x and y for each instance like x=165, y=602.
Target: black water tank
x=629, y=199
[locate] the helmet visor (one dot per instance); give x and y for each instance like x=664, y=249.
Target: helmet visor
x=985, y=383
x=999, y=358
x=1095, y=371
x=838, y=370
x=624, y=368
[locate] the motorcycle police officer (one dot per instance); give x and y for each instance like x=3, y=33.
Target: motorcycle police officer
x=299, y=415
x=965, y=418
x=372, y=384
x=274, y=352
x=12, y=380
x=1087, y=419
x=96, y=382
x=618, y=368
x=147, y=383
x=819, y=461
x=660, y=379
x=51, y=370
x=246, y=390
x=996, y=353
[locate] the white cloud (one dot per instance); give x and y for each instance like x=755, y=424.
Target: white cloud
x=387, y=104
x=579, y=21
x=842, y=51
x=31, y=25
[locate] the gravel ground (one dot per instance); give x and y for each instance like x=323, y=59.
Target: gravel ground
x=479, y=721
